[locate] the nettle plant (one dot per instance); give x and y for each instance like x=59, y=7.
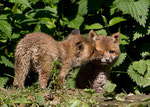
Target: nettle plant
x=59, y=17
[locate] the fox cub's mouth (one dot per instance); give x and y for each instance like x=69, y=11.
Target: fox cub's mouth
x=104, y=63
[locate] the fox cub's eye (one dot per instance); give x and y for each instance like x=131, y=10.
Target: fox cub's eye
x=112, y=51
x=93, y=51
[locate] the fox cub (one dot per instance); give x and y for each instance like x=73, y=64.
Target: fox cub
x=96, y=73
x=37, y=51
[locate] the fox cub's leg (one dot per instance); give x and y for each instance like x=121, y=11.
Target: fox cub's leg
x=22, y=66
x=44, y=73
x=63, y=72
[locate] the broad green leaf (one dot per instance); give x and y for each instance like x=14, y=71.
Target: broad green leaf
x=3, y=17
x=82, y=9
x=124, y=40
x=145, y=50
x=15, y=36
x=3, y=81
x=71, y=83
x=76, y=23
x=4, y=60
x=31, y=21
x=101, y=32
x=137, y=35
x=116, y=20
x=140, y=66
x=120, y=59
x=137, y=9
x=37, y=28
x=139, y=72
x=53, y=10
x=148, y=69
x=49, y=23
x=3, y=38
x=112, y=10
x=6, y=28
x=145, y=54
x=23, y=2
x=39, y=99
x=109, y=87
x=94, y=26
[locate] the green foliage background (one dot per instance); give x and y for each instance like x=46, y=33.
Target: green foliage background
x=58, y=17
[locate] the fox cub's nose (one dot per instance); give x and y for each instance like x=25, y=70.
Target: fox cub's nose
x=107, y=59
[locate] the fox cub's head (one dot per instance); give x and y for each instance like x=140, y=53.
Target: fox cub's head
x=82, y=48
x=107, y=45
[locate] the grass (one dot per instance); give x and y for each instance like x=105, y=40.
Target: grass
x=34, y=97
x=68, y=97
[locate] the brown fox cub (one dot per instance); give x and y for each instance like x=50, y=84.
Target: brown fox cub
x=96, y=73
x=37, y=51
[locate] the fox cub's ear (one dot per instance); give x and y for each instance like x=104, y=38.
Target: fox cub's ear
x=75, y=32
x=79, y=46
x=116, y=36
x=93, y=36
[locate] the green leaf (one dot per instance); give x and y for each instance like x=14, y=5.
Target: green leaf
x=145, y=54
x=49, y=23
x=101, y=32
x=6, y=28
x=3, y=81
x=139, y=72
x=3, y=38
x=39, y=99
x=30, y=21
x=109, y=87
x=140, y=66
x=15, y=36
x=4, y=60
x=120, y=59
x=112, y=10
x=71, y=79
x=116, y=20
x=137, y=9
x=3, y=17
x=23, y=2
x=148, y=32
x=53, y=10
x=137, y=35
x=124, y=40
x=76, y=23
x=105, y=20
x=82, y=10
x=94, y=26
x=145, y=50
